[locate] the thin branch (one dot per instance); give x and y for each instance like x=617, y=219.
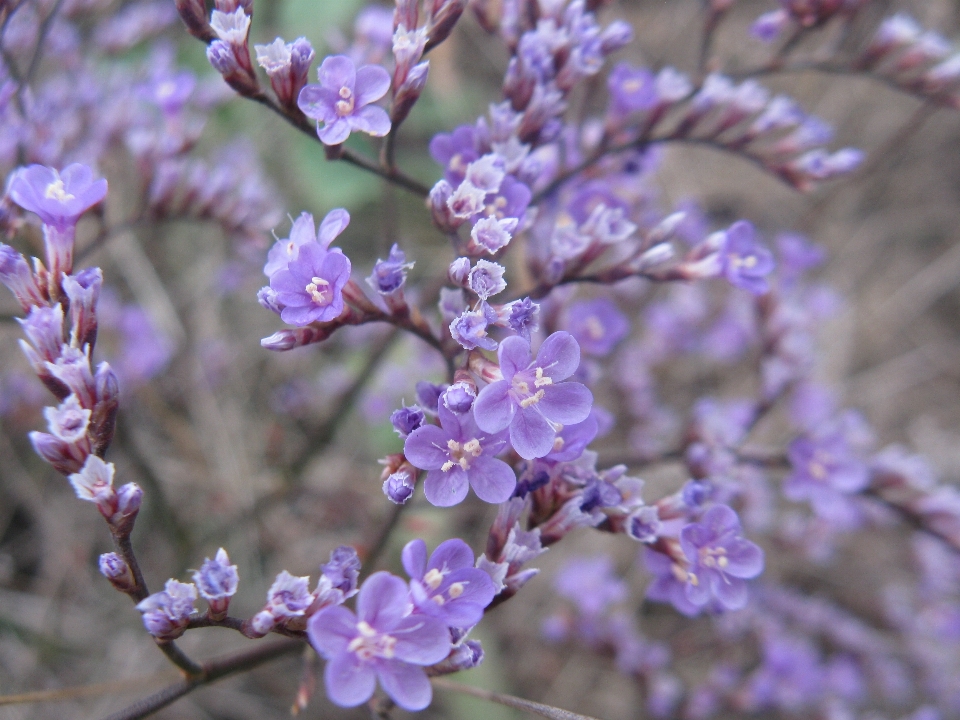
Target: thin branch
x=535, y=708
x=213, y=670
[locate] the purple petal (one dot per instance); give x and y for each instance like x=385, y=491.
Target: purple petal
x=493, y=409
x=559, y=356
x=319, y=103
x=421, y=639
x=426, y=447
x=301, y=316
x=372, y=120
x=568, y=403
x=335, y=268
x=531, y=435
x=372, y=84
x=382, y=601
x=514, y=356
x=744, y=559
x=331, y=630
x=444, y=489
x=452, y=554
x=492, y=480
x=720, y=519
x=334, y=133
x=731, y=592
x=698, y=594
x=337, y=71
x=407, y=685
x=349, y=681
x=414, y=558
x=333, y=224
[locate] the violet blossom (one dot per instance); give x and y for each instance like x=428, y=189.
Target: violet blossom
x=458, y=455
x=217, y=580
x=342, y=100
x=531, y=400
x=448, y=586
x=597, y=325
x=166, y=613
x=826, y=471
x=311, y=287
x=745, y=262
x=58, y=197
x=381, y=641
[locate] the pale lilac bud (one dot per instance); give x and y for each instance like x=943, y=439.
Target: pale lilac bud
x=467, y=200
x=288, y=66
x=103, y=421
x=768, y=26
x=657, y=255
x=428, y=395
x=616, y=35
x=94, y=483
x=409, y=92
x=439, y=204
x=399, y=486
x=68, y=422
x=167, y=613
x=231, y=27
x=72, y=369
x=194, y=16
x=343, y=571
x=83, y=291
x=44, y=329
x=114, y=569
x=459, y=271
x=389, y=275
x=465, y=656
x=15, y=273
x=459, y=397
x=487, y=173
x=280, y=340
x=407, y=50
x=644, y=525
x=269, y=300
x=217, y=582
x=129, y=498
x=287, y=600
x=225, y=60
x=55, y=451
x=491, y=234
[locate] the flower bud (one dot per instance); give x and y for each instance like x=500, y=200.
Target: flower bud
x=442, y=22
x=439, y=204
x=217, y=582
x=56, y=452
x=129, y=497
x=103, y=421
x=399, y=486
x=194, y=16
x=114, y=569
x=409, y=92
x=459, y=271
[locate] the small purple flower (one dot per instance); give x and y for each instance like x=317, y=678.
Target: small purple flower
x=457, y=454
x=597, y=325
x=573, y=440
x=15, y=273
x=343, y=570
x=68, y=422
x=447, y=587
x=166, y=613
x=428, y=395
x=288, y=598
x=381, y=641
x=286, y=251
x=643, y=524
x=399, y=486
x=492, y=234
x=470, y=330
x=523, y=317
x=531, y=399
x=459, y=397
x=720, y=559
x=631, y=89
x=825, y=470
x=342, y=100
x=455, y=151
x=217, y=582
x=486, y=279
x=114, y=569
x=311, y=287
x=389, y=275
x=407, y=419
x=94, y=483
x=745, y=262
x=59, y=198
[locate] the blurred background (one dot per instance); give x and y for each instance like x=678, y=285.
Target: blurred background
x=274, y=456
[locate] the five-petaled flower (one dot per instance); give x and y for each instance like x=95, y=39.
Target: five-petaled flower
x=58, y=197
x=342, y=100
x=531, y=399
x=447, y=586
x=311, y=286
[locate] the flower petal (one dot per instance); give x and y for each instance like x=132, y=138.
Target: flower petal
x=334, y=133
x=514, y=356
x=331, y=630
x=444, y=489
x=426, y=447
x=333, y=224
x=559, y=356
x=566, y=403
x=349, y=681
x=493, y=409
x=414, y=558
x=451, y=554
x=492, y=480
x=337, y=71
x=730, y=591
x=372, y=120
x=318, y=103
x=371, y=85
x=421, y=640
x=531, y=435
x=407, y=685
x=382, y=601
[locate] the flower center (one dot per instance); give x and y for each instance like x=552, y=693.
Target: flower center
x=347, y=103
x=460, y=454
x=370, y=644
x=57, y=191
x=748, y=262
x=318, y=289
x=433, y=579
x=714, y=557
x=521, y=386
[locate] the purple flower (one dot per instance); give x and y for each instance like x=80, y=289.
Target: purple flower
x=447, y=587
x=531, y=399
x=825, y=470
x=389, y=275
x=470, y=330
x=522, y=316
x=166, y=613
x=114, y=569
x=68, y=422
x=286, y=251
x=343, y=571
x=342, y=100
x=490, y=234
x=311, y=287
x=745, y=262
x=15, y=273
x=288, y=598
x=455, y=151
x=597, y=325
x=459, y=397
x=217, y=582
x=572, y=440
x=407, y=419
x=381, y=641
x=720, y=559
x=457, y=455
x=399, y=486
x=631, y=89
x=59, y=198
x=94, y=483
x=486, y=279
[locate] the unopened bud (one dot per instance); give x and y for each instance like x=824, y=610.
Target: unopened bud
x=194, y=16
x=114, y=569
x=409, y=92
x=441, y=24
